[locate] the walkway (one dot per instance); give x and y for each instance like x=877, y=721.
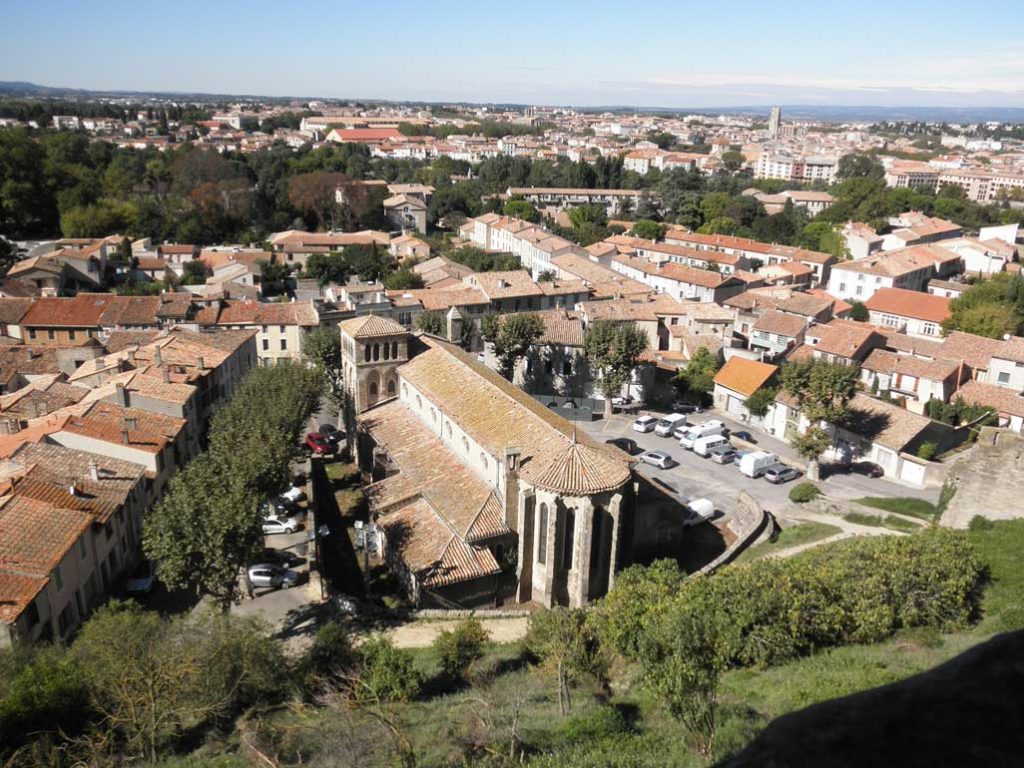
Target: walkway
x=421, y=633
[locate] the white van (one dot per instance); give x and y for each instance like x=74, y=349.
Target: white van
x=645, y=424
x=704, y=445
x=697, y=431
x=669, y=424
x=754, y=464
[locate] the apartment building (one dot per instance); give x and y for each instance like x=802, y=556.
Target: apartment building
x=678, y=281
x=795, y=168
x=910, y=268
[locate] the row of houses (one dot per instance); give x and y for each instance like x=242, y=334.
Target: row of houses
x=85, y=450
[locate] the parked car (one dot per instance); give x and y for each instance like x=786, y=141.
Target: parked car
x=754, y=463
x=867, y=468
x=332, y=433
x=142, y=580
x=697, y=431
x=744, y=436
x=272, y=525
x=645, y=424
x=681, y=406
x=620, y=401
x=278, y=507
x=270, y=575
x=704, y=445
x=318, y=444
x=723, y=454
x=658, y=459
x=282, y=557
x=668, y=425
x=698, y=511
x=780, y=473
x=294, y=495
x=626, y=445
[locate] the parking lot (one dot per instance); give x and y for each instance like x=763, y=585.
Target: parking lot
x=697, y=477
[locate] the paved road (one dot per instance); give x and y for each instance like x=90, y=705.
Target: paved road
x=421, y=634
x=699, y=477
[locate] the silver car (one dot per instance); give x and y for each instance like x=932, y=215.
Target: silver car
x=659, y=459
x=273, y=525
x=270, y=575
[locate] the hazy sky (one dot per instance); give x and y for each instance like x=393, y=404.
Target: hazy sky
x=675, y=54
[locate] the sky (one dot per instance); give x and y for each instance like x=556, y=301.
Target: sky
x=658, y=53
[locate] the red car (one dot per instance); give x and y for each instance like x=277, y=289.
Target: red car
x=318, y=444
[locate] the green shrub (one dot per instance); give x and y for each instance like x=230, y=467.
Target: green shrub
x=927, y=451
x=980, y=523
x=804, y=492
x=385, y=673
x=331, y=653
x=48, y=693
x=459, y=647
x=604, y=722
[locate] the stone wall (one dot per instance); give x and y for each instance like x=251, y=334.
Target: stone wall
x=988, y=479
x=749, y=521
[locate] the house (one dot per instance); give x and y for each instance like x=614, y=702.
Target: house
x=281, y=327
x=910, y=312
x=818, y=264
x=914, y=380
x=982, y=257
x=1008, y=405
x=999, y=362
x=509, y=291
x=408, y=248
x=737, y=380
x=910, y=269
x=775, y=333
x=679, y=281
x=560, y=198
x=406, y=212
x=861, y=240
x=915, y=228
x=12, y=312
x=295, y=246
x=70, y=524
x=841, y=341
x=947, y=288
x=556, y=363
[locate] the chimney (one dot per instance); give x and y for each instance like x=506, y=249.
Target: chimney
x=125, y=438
x=165, y=375
x=200, y=363
x=512, y=459
x=157, y=357
x=94, y=472
x=73, y=489
x=121, y=395
x=130, y=422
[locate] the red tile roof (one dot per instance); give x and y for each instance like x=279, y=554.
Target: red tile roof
x=913, y=304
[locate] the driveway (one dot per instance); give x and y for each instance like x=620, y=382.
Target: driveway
x=696, y=477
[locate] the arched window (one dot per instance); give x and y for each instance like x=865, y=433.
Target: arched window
x=483, y=460
x=373, y=390
x=394, y=350
x=405, y=390
x=465, y=444
x=570, y=535
x=376, y=352
x=387, y=351
x=433, y=416
x=542, y=533
x=448, y=429
x=391, y=388
x=366, y=353
x=419, y=403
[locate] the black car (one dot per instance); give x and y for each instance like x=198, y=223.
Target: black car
x=680, y=406
x=332, y=433
x=745, y=436
x=281, y=557
x=625, y=444
x=867, y=468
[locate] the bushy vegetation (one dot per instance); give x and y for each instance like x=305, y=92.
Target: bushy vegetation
x=209, y=523
x=458, y=648
x=804, y=492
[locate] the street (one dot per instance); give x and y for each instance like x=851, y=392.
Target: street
x=697, y=477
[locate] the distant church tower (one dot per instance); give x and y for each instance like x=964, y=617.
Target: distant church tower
x=372, y=348
x=775, y=121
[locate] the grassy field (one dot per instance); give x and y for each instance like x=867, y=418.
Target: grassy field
x=919, y=508
x=792, y=536
x=622, y=725
x=882, y=521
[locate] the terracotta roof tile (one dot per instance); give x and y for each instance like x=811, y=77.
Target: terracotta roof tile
x=744, y=376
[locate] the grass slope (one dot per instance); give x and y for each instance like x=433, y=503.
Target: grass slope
x=792, y=536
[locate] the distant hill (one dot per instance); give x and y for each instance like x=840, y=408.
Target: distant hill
x=824, y=113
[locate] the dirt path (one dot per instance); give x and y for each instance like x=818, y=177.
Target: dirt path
x=421, y=634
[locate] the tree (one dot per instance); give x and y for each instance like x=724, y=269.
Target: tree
x=859, y=312
x=587, y=214
x=699, y=375
x=649, y=230
x=613, y=350
x=663, y=139
x=327, y=268
x=762, y=399
x=858, y=166
x=567, y=647
x=371, y=263
x=732, y=160
x=433, y=323
x=521, y=209
x=823, y=392
x=208, y=525
x=315, y=194
x=990, y=308
x=512, y=336
x=193, y=273
x=402, y=279
x=458, y=648
x=322, y=350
